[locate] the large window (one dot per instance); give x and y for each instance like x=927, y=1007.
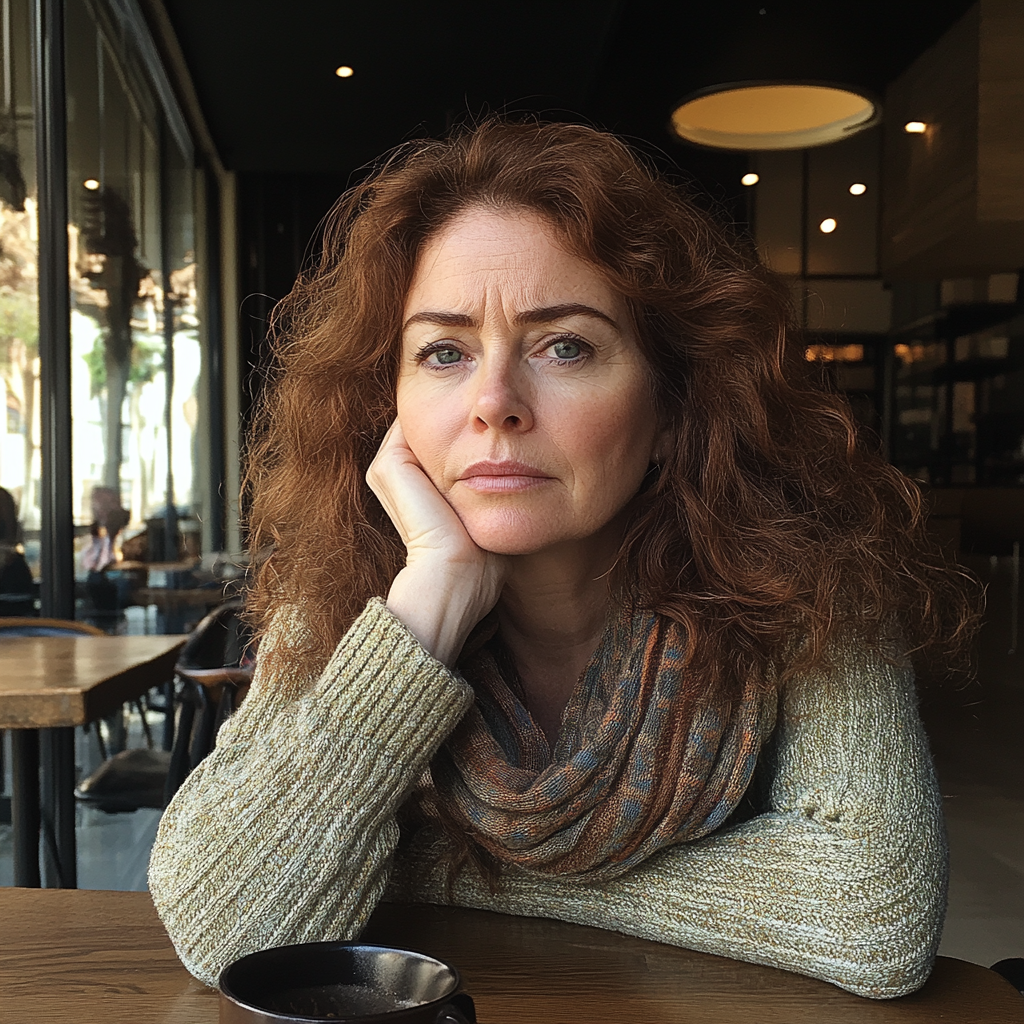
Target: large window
x=135, y=367
x=19, y=325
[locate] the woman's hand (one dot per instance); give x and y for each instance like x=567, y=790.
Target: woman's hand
x=448, y=584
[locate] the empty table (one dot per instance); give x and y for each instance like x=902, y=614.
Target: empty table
x=54, y=683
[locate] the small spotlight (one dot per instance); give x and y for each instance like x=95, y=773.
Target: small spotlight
x=344, y=71
x=858, y=189
x=915, y=127
x=750, y=179
x=91, y=184
x=827, y=226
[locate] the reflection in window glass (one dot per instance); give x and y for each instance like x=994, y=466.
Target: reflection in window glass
x=19, y=324
x=183, y=321
x=119, y=445
x=134, y=327
x=134, y=330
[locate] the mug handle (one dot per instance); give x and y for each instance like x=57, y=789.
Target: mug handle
x=460, y=1010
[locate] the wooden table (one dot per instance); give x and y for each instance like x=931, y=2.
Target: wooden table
x=90, y=957
x=49, y=685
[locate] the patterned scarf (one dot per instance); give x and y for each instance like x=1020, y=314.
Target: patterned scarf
x=639, y=764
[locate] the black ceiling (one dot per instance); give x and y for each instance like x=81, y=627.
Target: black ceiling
x=264, y=69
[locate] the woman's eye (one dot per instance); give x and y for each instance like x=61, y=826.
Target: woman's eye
x=567, y=349
x=446, y=356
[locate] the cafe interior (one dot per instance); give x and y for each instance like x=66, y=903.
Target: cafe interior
x=165, y=168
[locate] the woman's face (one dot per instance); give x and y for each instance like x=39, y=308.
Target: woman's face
x=522, y=391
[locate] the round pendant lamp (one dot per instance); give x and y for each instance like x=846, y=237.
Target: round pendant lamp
x=773, y=115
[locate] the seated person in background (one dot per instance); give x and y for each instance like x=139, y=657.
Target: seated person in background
x=623, y=638
x=16, y=597
x=109, y=519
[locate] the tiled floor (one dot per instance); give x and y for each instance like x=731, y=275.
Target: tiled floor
x=113, y=849
x=985, y=922
x=977, y=737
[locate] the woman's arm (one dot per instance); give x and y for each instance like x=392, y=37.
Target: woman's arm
x=285, y=832
x=842, y=878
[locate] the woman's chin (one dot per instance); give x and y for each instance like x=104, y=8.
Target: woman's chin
x=510, y=534
x=503, y=544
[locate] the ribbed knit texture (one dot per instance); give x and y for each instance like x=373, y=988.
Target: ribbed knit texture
x=287, y=833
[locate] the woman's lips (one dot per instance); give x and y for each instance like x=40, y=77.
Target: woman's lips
x=501, y=477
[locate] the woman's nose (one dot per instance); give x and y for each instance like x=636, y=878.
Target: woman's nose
x=500, y=401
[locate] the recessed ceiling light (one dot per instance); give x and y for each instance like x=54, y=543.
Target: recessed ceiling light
x=750, y=179
x=828, y=225
x=344, y=71
x=858, y=189
x=91, y=184
x=772, y=116
x=915, y=127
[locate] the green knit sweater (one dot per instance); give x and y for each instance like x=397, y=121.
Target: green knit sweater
x=287, y=832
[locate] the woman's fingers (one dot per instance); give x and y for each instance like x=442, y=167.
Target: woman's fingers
x=448, y=583
x=420, y=513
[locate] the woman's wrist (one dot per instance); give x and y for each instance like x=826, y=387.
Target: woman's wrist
x=437, y=608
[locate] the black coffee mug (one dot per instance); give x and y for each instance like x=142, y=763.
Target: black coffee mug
x=343, y=982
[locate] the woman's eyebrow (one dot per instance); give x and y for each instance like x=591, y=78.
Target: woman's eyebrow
x=540, y=315
x=440, y=318
x=548, y=314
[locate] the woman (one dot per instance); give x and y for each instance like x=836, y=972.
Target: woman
x=647, y=606
x=15, y=575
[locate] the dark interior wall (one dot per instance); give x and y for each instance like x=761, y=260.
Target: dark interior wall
x=294, y=132
x=279, y=221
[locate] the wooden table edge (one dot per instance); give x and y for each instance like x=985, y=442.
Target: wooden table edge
x=100, y=920
x=86, y=706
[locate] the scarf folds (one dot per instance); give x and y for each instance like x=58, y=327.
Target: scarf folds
x=639, y=764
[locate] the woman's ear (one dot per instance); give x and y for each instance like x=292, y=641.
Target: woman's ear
x=664, y=443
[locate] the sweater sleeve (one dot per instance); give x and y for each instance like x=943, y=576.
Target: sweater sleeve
x=841, y=877
x=285, y=832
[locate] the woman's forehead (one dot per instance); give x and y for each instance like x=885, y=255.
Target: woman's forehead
x=511, y=257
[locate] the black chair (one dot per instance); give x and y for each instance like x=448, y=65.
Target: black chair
x=213, y=671
x=209, y=678
x=17, y=605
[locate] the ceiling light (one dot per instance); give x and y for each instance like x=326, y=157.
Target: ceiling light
x=772, y=116
x=750, y=179
x=91, y=184
x=828, y=225
x=344, y=71
x=915, y=127
x=858, y=189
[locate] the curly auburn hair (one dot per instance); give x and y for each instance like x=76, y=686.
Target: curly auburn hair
x=770, y=531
